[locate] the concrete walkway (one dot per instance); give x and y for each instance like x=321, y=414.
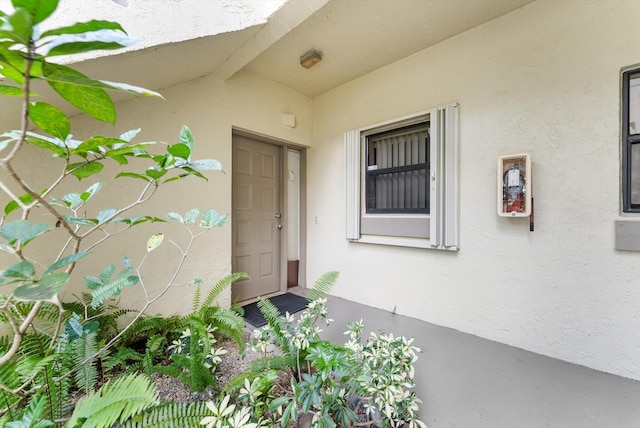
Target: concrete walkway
x=468, y=382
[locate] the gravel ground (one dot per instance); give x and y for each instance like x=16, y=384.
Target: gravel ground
x=233, y=363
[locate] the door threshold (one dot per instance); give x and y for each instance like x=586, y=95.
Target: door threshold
x=255, y=299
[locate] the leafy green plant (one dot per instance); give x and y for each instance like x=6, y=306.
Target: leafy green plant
x=195, y=358
x=227, y=415
x=170, y=415
x=115, y=402
x=292, y=336
x=370, y=379
x=55, y=347
x=383, y=376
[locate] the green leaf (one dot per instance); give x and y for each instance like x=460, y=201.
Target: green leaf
x=136, y=220
x=278, y=402
x=50, y=119
x=134, y=90
x=107, y=273
x=66, y=261
x=74, y=44
x=94, y=143
x=73, y=200
x=191, y=216
x=91, y=191
x=21, y=22
x=13, y=205
x=133, y=175
x=81, y=80
x=45, y=289
x=22, y=232
x=11, y=91
x=206, y=165
x=80, y=221
x=86, y=170
x=22, y=270
x=129, y=135
x=13, y=65
x=191, y=171
x=186, y=137
x=180, y=151
x=74, y=329
x=93, y=101
x=92, y=327
x=84, y=27
x=38, y=9
x=176, y=217
x=122, y=160
x=211, y=218
x=92, y=282
x=155, y=173
x=46, y=144
x=106, y=214
x=154, y=241
x=129, y=150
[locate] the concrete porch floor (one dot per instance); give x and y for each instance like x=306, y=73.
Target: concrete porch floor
x=468, y=382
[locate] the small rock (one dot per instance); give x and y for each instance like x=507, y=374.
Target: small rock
x=305, y=420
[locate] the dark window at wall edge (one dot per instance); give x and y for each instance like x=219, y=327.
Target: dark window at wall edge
x=630, y=144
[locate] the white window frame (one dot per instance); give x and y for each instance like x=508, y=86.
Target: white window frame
x=443, y=219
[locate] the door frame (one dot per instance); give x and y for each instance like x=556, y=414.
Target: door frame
x=284, y=147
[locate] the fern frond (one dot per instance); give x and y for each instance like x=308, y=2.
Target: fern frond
x=275, y=320
x=323, y=285
x=33, y=413
x=113, y=288
x=148, y=326
x=9, y=375
x=154, y=346
x=34, y=345
x=115, y=402
x=58, y=388
x=220, y=286
x=83, y=348
x=270, y=313
x=170, y=415
x=196, y=297
x=230, y=324
x=122, y=357
x=49, y=313
x=5, y=344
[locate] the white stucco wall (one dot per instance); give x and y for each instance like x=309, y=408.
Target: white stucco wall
x=211, y=109
x=544, y=79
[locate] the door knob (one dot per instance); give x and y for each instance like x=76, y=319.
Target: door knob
x=278, y=226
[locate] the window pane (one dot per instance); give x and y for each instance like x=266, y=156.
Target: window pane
x=634, y=104
x=635, y=174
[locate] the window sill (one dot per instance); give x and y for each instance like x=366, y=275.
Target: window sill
x=400, y=241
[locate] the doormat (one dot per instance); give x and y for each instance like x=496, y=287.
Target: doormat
x=287, y=302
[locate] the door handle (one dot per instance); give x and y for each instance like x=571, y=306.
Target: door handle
x=278, y=226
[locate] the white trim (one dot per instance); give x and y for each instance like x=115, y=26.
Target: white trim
x=352, y=180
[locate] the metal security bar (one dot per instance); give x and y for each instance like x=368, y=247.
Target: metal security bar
x=398, y=170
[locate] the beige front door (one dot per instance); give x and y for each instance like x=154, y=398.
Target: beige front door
x=256, y=217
